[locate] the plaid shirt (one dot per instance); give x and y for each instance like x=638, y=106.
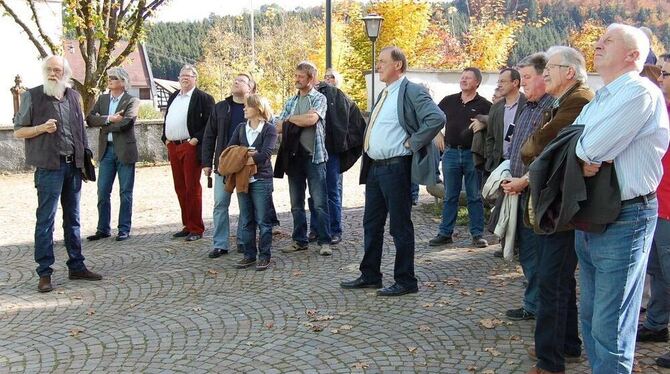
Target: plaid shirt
x=319, y=104
x=534, y=114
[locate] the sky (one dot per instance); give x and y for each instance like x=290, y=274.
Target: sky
x=189, y=10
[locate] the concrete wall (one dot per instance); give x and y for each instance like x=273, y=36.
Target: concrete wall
x=148, y=133
x=23, y=58
x=443, y=83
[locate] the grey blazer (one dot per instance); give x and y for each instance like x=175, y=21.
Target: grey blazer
x=494, y=132
x=123, y=132
x=421, y=118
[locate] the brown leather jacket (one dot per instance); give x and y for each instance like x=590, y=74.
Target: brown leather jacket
x=569, y=107
x=234, y=165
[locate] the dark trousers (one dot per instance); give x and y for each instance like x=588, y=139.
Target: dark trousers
x=387, y=190
x=556, y=317
x=186, y=172
x=52, y=185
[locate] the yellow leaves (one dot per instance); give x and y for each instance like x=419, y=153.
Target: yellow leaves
x=584, y=40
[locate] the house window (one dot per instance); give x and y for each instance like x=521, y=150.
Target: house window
x=145, y=93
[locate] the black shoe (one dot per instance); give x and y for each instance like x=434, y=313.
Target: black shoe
x=84, y=275
x=415, y=202
x=240, y=248
x=647, y=335
x=217, y=252
x=440, y=240
x=397, y=290
x=498, y=254
x=122, y=236
x=479, y=242
x=263, y=264
x=335, y=239
x=98, y=236
x=360, y=283
x=193, y=237
x=181, y=234
x=664, y=361
x=312, y=237
x=245, y=263
x=519, y=314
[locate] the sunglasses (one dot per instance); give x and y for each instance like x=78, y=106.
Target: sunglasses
x=113, y=78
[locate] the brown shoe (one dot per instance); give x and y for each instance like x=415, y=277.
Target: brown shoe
x=568, y=358
x=84, y=275
x=536, y=370
x=45, y=284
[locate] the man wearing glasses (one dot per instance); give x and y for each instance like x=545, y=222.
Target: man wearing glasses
x=185, y=119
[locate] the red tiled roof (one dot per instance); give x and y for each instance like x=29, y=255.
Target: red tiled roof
x=134, y=64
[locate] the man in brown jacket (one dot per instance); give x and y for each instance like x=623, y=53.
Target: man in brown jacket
x=556, y=336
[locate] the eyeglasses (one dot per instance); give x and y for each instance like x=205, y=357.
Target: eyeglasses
x=328, y=76
x=113, y=78
x=53, y=70
x=186, y=76
x=242, y=80
x=665, y=73
x=551, y=66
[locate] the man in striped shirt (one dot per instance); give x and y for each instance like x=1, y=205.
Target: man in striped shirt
x=626, y=123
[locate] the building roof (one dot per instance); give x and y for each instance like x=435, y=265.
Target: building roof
x=135, y=64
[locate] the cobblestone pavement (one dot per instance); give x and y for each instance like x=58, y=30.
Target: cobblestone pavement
x=163, y=306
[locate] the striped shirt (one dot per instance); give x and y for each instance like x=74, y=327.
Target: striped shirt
x=627, y=122
x=319, y=104
x=530, y=119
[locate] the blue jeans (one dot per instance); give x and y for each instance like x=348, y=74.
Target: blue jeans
x=220, y=216
x=334, y=190
x=529, y=244
x=611, y=279
x=414, y=188
x=109, y=167
x=64, y=183
x=556, y=326
x=386, y=190
x=255, y=212
x=658, y=268
x=456, y=164
x=308, y=174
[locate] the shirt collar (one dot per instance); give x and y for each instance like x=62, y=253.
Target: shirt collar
x=116, y=98
x=510, y=106
x=395, y=85
x=258, y=129
x=614, y=86
x=188, y=94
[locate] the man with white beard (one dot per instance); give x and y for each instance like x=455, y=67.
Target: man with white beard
x=51, y=121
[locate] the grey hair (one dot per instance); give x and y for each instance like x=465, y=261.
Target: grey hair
x=647, y=31
x=634, y=39
x=189, y=67
x=120, y=73
x=570, y=57
x=308, y=68
x=537, y=60
x=67, y=69
x=338, y=76
x=397, y=55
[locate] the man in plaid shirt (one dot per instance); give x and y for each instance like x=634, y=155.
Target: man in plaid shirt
x=305, y=113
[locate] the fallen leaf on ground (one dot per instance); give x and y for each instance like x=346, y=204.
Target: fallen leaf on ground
x=270, y=324
x=311, y=312
x=480, y=290
x=428, y=305
x=212, y=272
x=515, y=337
x=90, y=311
x=360, y=365
x=452, y=281
x=346, y=327
x=335, y=331
x=465, y=293
x=76, y=331
x=468, y=309
x=429, y=284
x=324, y=318
x=494, y=352
x=424, y=328
x=318, y=328
x=472, y=368
x=77, y=297
x=488, y=371
x=197, y=309
x=490, y=323
x=297, y=273
x=411, y=349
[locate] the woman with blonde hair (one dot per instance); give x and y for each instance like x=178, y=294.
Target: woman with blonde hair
x=260, y=137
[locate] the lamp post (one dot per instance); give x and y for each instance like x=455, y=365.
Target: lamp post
x=373, y=25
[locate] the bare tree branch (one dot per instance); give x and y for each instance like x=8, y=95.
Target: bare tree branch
x=40, y=48
x=54, y=49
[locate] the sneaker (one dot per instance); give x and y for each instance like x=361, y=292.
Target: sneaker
x=295, y=247
x=245, y=263
x=519, y=314
x=335, y=239
x=325, y=250
x=440, y=240
x=262, y=264
x=647, y=335
x=664, y=361
x=479, y=242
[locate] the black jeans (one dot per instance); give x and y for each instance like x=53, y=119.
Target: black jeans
x=556, y=331
x=387, y=192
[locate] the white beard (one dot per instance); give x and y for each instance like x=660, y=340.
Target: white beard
x=55, y=89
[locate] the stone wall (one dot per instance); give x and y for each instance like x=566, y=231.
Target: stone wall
x=148, y=133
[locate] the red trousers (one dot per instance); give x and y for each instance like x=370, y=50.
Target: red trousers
x=186, y=171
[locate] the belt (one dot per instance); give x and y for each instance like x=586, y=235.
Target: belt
x=67, y=159
x=461, y=147
x=179, y=141
x=640, y=199
x=391, y=161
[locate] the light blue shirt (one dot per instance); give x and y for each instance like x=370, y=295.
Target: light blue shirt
x=387, y=139
x=627, y=122
x=113, y=104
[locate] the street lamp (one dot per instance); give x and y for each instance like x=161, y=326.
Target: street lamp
x=373, y=25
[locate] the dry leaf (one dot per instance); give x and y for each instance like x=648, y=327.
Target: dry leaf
x=494, y=352
x=346, y=327
x=472, y=368
x=488, y=371
x=465, y=293
x=470, y=250
x=197, y=309
x=297, y=273
x=429, y=284
x=76, y=331
x=77, y=297
x=490, y=323
x=318, y=328
x=311, y=312
x=90, y=311
x=452, y=281
x=424, y=328
x=212, y=272
x=480, y=290
x=270, y=324
x=515, y=337
x=428, y=305
x=324, y=318
x=468, y=309
x=360, y=365
x=411, y=349
x=335, y=331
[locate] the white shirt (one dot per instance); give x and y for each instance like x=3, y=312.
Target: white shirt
x=387, y=139
x=252, y=135
x=176, y=121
